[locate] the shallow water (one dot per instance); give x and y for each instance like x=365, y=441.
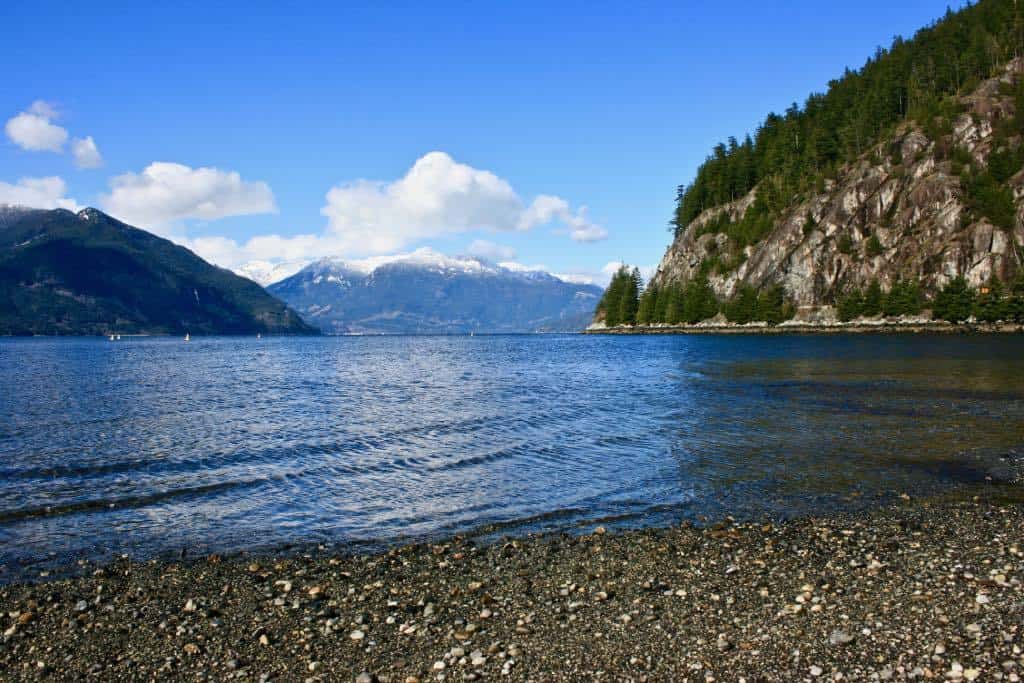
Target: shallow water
x=148, y=446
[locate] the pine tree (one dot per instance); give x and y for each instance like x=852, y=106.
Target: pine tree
x=629, y=301
x=674, y=305
x=851, y=306
x=1015, y=301
x=611, y=303
x=903, y=299
x=646, y=313
x=990, y=306
x=872, y=300
x=743, y=307
x=954, y=302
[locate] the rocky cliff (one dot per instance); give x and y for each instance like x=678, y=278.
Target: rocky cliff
x=903, y=210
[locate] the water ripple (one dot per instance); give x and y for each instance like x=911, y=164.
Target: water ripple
x=150, y=445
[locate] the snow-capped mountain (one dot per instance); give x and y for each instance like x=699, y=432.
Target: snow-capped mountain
x=265, y=273
x=428, y=292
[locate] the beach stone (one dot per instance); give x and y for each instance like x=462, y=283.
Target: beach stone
x=357, y=635
x=838, y=637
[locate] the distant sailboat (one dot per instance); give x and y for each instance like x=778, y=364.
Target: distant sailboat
x=259, y=335
x=111, y=337
x=187, y=338
x=118, y=337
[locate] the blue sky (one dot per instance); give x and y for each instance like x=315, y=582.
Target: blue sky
x=604, y=105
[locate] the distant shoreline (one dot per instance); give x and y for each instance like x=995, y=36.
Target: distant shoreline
x=810, y=328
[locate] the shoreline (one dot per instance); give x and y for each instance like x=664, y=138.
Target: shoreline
x=811, y=329
x=925, y=588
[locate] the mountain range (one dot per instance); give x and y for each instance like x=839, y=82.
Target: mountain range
x=63, y=272
x=429, y=293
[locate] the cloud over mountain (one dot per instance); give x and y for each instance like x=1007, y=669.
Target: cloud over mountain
x=440, y=196
x=164, y=193
x=38, y=193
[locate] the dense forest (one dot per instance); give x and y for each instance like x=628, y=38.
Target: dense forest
x=798, y=150
x=627, y=302
x=63, y=273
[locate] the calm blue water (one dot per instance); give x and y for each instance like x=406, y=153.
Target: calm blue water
x=147, y=446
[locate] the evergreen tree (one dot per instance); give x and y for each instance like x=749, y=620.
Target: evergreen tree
x=989, y=307
x=771, y=305
x=851, y=306
x=1014, y=306
x=872, y=300
x=954, y=302
x=674, y=305
x=629, y=299
x=874, y=247
x=646, y=313
x=743, y=307
x=903, y=299
x=613, y=304
x=699, y=301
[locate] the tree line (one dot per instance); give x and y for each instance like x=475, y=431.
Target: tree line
x=628, y=302
x=956, y=302
x=797, y=150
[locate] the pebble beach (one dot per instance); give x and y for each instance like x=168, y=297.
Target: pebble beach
x=920, y=590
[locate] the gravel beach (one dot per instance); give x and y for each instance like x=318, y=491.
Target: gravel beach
x=921, y=590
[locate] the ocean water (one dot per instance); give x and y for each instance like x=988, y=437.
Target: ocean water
x=151, y=446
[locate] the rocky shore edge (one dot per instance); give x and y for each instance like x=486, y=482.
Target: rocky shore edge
x=792, y=327
x=926, y=589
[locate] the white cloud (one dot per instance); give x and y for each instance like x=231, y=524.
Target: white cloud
x=582, y=230
x=164, y=193
x=609, y=269
x=268, y=249
x=38, y=193
x=439, y=196
x=86, y=154
x=43, y=108
x=489, y=250
x=34, y=130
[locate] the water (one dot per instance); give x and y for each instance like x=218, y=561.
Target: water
x=148, y=446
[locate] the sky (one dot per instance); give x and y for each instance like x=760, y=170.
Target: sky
x=549, y=134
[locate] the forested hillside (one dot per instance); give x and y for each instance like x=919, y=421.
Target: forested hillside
x=65, y=273
x=870, y=198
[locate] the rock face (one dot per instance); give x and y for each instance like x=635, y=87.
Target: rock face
x=904, y=193
x=87, y=273
x=429, y=293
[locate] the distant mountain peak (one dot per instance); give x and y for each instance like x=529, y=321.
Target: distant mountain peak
x=425, y=291
x=424, y=258
x=90, y=214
